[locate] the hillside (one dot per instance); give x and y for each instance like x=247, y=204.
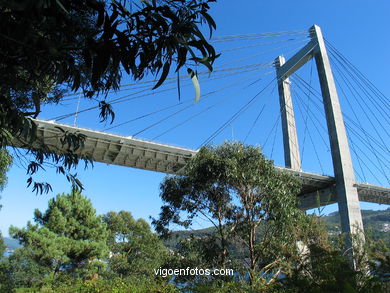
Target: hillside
x=11, y=243
x=376, y=224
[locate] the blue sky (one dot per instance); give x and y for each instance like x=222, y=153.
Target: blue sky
x=358, y=29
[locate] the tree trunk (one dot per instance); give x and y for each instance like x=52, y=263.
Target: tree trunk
x=252, y=256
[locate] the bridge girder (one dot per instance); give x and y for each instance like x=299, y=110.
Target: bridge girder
x=317, y=190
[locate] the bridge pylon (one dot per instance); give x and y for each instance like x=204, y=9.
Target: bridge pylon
x=345, y=184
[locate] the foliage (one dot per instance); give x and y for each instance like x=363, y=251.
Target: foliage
x=68, y=237
x=319, y=266
x=49, y=48
x=2, y=246
x=117, y=285
x=84, y=44
x=238, y=190
x=196, y=252
x=66, y=250
x=239, y=287
x=134, y=249
x=21, y=270
x=5, y=163
x=325, y=267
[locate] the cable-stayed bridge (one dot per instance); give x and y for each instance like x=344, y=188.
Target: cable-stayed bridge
x=135, y=153
x=341, y=187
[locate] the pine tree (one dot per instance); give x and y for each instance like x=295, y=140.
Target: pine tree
x=68, y=237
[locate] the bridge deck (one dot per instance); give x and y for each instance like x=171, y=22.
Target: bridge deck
x=130, y=152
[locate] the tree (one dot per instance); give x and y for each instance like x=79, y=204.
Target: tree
x=68, y=237
x=134, y=249
x=5, y=163
x=2, y=246
x=240, y=192
x=21, y=270
x=49, y=48
x=324, y=266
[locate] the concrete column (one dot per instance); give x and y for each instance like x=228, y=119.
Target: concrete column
x=347, y=195
x=290, y=139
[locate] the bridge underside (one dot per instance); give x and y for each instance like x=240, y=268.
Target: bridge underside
x=317, y=190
